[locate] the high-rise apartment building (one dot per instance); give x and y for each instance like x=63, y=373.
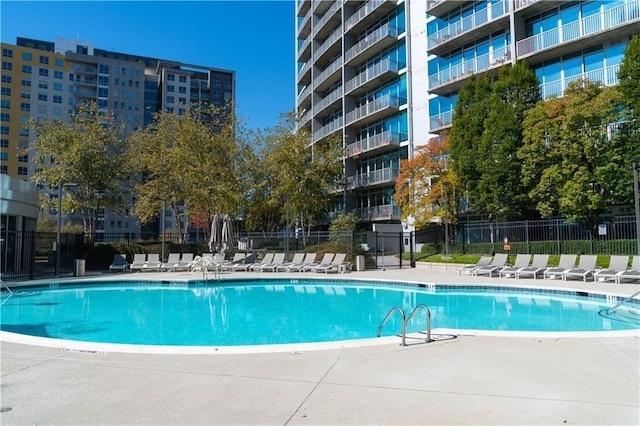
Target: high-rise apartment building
x=385, y=74
x=42, y=79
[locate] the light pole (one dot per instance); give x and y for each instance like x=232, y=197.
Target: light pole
x=445, y=185
x=58, y=226
x=636, y=194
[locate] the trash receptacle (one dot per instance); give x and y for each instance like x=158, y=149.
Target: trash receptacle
x=78, y=270
x=360, y=263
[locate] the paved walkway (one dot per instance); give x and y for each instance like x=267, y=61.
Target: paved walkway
x=458, y=379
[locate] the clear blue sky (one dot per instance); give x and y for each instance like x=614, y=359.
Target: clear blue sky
x=256, y=39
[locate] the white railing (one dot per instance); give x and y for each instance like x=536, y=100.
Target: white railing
x=619, y=15
x=373, y=142
x=388, y=65
x=387, y=30
x=327, y=129
x=480, y=63
x=361, y=13
x=325, y=18
x=329, y=42
x=440, y=121
x=607, y=76
x=379, y=104
x=492, y=12
x=328, y=100
x=386, y=175
x=333, y=67
x=519, y=4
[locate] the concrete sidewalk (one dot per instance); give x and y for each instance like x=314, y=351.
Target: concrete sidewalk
x=458, y=379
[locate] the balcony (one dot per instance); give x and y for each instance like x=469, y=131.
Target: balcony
x=303, y=7
x=332, y=98
x=304, y=50
x=381, y=38
x=375, y=178
x=328, y=76
x=468, y=29
x=357, y=21
x=327, y=44
x=79, y=70
x=375, y=109
x=304, y=93
x=441, y=7
x=606, y=76
x=327, y=129
x=591, y=26
x=374, y=143
x=305, y=118
x=440, y=121
x=304, y=26
x=321, y=6
x=386, y=212
x=328, y=21
x=453, y=78
x=304, y=74
x=372, y=76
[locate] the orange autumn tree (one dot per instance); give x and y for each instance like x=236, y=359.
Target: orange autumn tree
x=426, y=186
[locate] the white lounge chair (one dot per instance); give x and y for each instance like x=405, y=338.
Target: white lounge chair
x=249, y=261
x=631, y=274
x=139, y=259
x=586, y=266
x=617, y=264
x=238, y=258
x=522, y=261
x=298, y=258
x=538, y=266
x=326, y=260
x=153, y=262
x=266, y=260
x=483, y=261
x=567, y=261
x=119, y=263
x=277, y=260
x=498, y=262
x=336, y=263
x=309, y=259
x=185, y=262
x=172, y=261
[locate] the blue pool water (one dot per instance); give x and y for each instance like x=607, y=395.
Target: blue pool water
x=286, y=311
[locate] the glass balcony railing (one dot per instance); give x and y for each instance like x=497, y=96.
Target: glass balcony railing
x=327, y=129
x=385, y=212
x=333, y=67
x=376, y=177
x=374, y=106
x=328, y=100
x=607, y=76
x=304, y=93
x=374, y=142
x=387, y=30
x=610, y=18
x=465, y=69
x=491, y=12
x=440, y=121
x=381, y=68
x=361, y=13
x=335, y=36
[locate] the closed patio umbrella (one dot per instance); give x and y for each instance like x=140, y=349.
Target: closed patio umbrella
x=216, y=234
x=227, y=233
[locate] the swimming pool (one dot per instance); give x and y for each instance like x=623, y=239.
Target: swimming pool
x=279, y=311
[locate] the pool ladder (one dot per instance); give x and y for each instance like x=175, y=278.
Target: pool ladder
x=406, y=319
x=616, y=307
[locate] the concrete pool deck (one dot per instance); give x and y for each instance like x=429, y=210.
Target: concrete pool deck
x=457, y=379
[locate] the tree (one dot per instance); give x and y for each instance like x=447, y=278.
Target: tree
x=426, y=184
x=500, y=192
x=89, y=153
x=629, y=75
x=568, y=156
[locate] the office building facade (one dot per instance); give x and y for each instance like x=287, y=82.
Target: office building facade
x=385, y=75
x=49, y=80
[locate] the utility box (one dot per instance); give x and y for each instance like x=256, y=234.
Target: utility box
x=360, y=266
x=78, y=269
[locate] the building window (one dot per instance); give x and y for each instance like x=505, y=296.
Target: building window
x=7, y=53
x=42, y=109
x=3, y=170
x=44, y=60
x=4, y=156
x=4, y=143
x=26, y=56
x=170, y=99
x=5, y=91
x=57, y=99
x=5, y=104
x=42, y=97
x=103, y=69
x=25, y=95
x=25, y=107
x=4, y=116
x=23, y=158
x=43, y=85
x=171, y=77
x=57, y=74
x=6, y=79
x=58, y=62
x=22, y=171
x=58, y=87
x=24, y=132
x=26, y=69
x=23, y=144
x=227, y=85
x=171, y=88
x=7, y=65
x=26, y=82
x=43, y=72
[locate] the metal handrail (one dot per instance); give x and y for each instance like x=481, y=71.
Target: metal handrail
x=388, y=316
x=611, y=310
x=428, y=312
